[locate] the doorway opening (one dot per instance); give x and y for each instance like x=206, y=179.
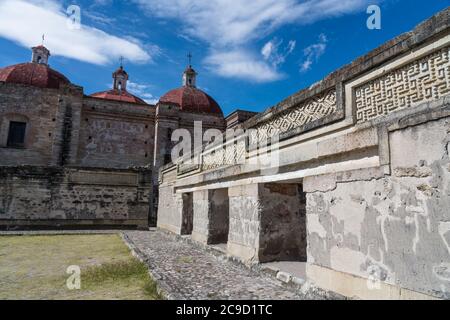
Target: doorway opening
x=187, y=223
x=283, y=223
x=219, y=217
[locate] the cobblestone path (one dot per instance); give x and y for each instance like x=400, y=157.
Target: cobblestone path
x=188, y=273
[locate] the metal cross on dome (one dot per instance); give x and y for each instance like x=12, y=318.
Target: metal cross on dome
x=190, y=58
x=121, y=61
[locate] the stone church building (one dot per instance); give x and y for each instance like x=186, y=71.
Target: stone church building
x=71, y=159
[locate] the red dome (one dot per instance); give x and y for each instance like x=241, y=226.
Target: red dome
x=33, y=74
x=191, y=100
x=117, y=95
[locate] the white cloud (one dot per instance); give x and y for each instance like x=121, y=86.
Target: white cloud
x=267, y=50
x=24, y=22
x=272, y=53
x=313, y=52
x=231, y=26
x=142, y=91
x=224, y=22
x=241, y=64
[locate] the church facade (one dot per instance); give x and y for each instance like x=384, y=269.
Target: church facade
x=69, y=159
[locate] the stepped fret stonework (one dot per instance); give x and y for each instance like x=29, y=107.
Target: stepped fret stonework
x=423, y=80
x=311, y=110
x=233, y=153
x=213, y=159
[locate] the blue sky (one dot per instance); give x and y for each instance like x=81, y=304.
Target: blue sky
x=249, y=55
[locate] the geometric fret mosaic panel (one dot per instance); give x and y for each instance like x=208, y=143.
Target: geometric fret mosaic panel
x=232, y=154
x=423, y=80
x=311, y=110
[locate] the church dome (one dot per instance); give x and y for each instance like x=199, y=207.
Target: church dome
x=33, y=74
x=119, y=91
x=191, y=99
x=118, y=95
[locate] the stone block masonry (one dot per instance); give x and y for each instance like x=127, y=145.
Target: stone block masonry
x=393, y=227
x=52, y=197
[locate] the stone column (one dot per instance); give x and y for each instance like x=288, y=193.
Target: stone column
x=245, y=215
x=211, y=216
x=267, y=223
x=202, y=211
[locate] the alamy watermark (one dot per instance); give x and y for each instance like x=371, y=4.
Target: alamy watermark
x=74, y=280
x=374, y=20
x=73, y=17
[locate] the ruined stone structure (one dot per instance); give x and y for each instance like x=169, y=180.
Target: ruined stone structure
x=358, y=182
x=72, y=160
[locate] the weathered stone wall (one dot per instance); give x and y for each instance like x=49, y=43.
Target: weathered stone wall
x=171, y=118
x=395, y=227
x=71, y=197
x=202, y=210
x=283, y=222
x=170, y=205
x=115, y=134
x=47, y=112
x=211, y=217
x=245, y=216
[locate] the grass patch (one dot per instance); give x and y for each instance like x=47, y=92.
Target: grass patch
x=34, y=267
x=122, y=271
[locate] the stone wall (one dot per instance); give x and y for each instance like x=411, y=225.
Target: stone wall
x=171, y=118
x=245, y=215
x=115, y=134
x=170, y=206
x=395, y=228
x=73, y=197
x=47, y=112
x=202, y=210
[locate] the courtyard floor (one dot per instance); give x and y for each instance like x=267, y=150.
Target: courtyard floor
x=34, y=267
x=187, y=272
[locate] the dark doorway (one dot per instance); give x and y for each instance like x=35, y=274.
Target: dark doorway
x=283, y=223
x=219, y=217
x=187, y=223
